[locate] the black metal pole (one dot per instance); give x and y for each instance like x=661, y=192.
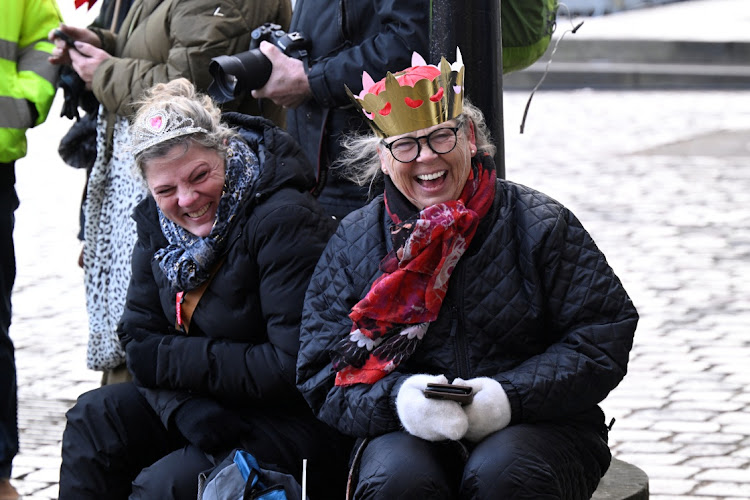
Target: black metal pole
x=474, y=27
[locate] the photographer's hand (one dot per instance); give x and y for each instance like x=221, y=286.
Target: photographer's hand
x=85, y=59
x=60, y=54
x=288, y=85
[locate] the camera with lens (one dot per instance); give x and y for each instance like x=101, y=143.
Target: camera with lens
x=250, y=70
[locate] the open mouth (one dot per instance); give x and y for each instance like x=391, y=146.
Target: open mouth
x=429, y=179
x=200, y=212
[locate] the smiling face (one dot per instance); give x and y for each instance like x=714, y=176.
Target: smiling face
x=187, y=186
x=432, y=178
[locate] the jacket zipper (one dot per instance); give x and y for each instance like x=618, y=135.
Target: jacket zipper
x=457, y=330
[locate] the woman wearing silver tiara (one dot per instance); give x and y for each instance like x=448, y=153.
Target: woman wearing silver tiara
x=454, y=277
x=227, y=242
x=159, y=40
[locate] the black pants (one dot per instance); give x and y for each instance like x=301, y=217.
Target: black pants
x=525, y=461
x=8, y=393
x=115, y=446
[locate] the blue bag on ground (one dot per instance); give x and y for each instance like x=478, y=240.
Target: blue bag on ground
x=240, y=477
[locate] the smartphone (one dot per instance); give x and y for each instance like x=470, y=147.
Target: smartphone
x=463, y=394
x=66, y=38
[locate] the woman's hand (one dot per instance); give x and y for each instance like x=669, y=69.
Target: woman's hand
x=489, y=411
x=85, y=59
x=210, y=426
x=142, y=354
x=429, y=419
x=61, y=52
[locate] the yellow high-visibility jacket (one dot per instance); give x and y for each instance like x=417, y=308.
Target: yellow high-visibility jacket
x=27, y=79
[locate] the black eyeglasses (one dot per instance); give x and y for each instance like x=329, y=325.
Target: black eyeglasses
x=407, y=149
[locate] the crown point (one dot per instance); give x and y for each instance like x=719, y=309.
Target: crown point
x=417, y=60
x=367, y=82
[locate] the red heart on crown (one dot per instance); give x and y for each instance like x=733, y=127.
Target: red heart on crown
x=413, y=103
x=386, y=109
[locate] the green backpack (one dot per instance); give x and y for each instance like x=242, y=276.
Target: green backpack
x=527, y=27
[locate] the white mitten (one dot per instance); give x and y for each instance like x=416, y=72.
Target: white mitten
x=490, y=409
x=429, y=419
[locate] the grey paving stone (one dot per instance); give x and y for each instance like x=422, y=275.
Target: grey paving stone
x=725, y=475
x=724, y=490
x=671, y=486
x=723, y=462
x=681, y=497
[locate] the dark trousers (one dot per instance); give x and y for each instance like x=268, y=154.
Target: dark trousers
x=8, y=393
x=115, y=446
x=525, y=461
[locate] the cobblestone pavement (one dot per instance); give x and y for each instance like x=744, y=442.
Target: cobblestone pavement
x=662, y=182
x=660, y=179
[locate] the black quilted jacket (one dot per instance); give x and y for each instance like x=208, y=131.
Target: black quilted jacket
x=532, y=304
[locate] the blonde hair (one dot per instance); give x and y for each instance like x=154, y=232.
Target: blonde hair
x=360, y=162
x=180, y=97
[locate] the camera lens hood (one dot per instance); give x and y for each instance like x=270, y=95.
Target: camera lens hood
x=238, y=73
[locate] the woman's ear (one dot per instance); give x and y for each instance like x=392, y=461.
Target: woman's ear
x=384, y=156
x=471, y=137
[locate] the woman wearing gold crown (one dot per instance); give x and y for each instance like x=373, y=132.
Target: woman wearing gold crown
x=452, y=276
x=227, y=242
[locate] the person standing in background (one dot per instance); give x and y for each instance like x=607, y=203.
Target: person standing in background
x=159, y=41
x=347, y=38
x=27, y=88
x=78, y=146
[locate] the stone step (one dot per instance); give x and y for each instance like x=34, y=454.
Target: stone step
x=638, y=64
x=566, y=75
x=575, y=48
x=623, y=481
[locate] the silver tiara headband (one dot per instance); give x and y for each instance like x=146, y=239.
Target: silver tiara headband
x=159, y=126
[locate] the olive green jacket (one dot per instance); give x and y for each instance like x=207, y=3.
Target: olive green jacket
x=161, y=40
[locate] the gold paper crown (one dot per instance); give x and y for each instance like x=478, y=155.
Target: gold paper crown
x=398, y=109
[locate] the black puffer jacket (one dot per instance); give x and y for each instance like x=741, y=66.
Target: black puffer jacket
x=244, y=334
x=532, y=304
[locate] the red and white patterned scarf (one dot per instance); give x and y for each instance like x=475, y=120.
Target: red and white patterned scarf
x=391, y=320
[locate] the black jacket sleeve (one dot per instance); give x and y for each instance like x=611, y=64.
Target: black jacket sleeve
x=343, y=275
x=592, y=322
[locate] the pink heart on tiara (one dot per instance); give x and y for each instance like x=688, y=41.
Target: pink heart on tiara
x=156, y=122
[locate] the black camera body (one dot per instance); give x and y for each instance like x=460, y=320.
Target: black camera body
x=240, y=73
